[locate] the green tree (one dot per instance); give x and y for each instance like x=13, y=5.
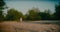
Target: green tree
x=57, y=13
x=2, y=6
x=53, y=17
x=24, y=17
x=13, y=14
x=45, y=15
x=33, y=14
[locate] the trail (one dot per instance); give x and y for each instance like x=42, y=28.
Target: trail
x=27, y=27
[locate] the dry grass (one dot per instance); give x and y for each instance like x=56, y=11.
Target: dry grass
x=27, y=27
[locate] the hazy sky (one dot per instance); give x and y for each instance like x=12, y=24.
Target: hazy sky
x=24, y=6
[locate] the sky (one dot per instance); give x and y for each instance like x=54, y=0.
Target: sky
x=24, y=6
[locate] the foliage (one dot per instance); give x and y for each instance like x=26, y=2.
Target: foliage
x=2, y=4
x=45, y=15
x=57, y=13
x=33, y=14
x=13, y=14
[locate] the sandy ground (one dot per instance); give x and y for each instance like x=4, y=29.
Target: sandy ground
x=28, y=27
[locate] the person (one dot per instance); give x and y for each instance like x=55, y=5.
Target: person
x=21, y=19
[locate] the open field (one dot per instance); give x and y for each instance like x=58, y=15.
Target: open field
x=14, y=26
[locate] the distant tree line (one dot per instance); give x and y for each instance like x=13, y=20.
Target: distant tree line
x=32, y=14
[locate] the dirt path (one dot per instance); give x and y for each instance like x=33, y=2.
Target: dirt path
x=27, y=27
